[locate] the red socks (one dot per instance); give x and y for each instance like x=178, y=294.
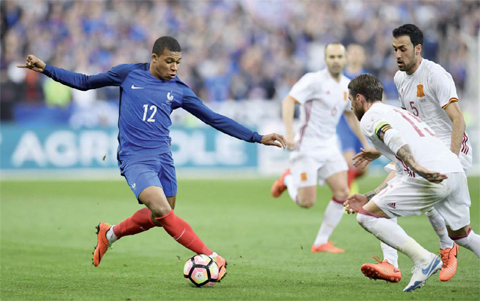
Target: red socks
x=182, y=233
x=140, y=221
x=175, y=226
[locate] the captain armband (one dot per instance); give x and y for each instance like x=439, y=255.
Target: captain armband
x=381, y=129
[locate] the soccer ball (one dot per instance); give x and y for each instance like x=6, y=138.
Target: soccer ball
x=201, y=270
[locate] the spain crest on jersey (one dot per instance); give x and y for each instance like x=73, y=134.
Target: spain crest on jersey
x=420, y=91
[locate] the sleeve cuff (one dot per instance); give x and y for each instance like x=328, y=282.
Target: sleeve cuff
x=48, y=70
x=257, y=138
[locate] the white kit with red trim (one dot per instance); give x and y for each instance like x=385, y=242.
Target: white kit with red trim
x=426, y=94
x=429, y=151
x=322, y=102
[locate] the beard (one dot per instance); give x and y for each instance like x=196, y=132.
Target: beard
x=407, y=67
x=359, y=112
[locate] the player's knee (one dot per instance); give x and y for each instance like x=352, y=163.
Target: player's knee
x=159, y=210
x=364, y=220
x=341, y=194
x=306, y=202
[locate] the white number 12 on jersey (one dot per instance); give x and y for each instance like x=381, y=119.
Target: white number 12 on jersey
x=152, y=108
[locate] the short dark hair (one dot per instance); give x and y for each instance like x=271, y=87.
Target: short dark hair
x=165, y=42
x=367, y=85
x=415, y=34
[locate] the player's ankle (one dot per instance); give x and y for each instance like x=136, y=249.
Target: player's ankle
x=111, y=237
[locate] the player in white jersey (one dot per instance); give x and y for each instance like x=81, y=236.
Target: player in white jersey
x=426, y=90
x=316, y=157
x=428, y=175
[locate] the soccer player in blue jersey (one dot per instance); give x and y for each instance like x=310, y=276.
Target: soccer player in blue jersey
x=349, y=141
x=149, y=92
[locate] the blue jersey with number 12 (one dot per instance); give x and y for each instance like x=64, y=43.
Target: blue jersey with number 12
x=146, y=103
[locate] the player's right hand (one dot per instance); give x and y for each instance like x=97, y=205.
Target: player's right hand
x=363, y=158
x=354, y=203
x=274, y=139
x=33, y=63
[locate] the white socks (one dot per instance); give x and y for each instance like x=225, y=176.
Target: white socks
x=333, y=215
x=471, y=242
x=438, y=224
x=390, y=253
x=111, y=237
x=393, y=235
x=292, y=189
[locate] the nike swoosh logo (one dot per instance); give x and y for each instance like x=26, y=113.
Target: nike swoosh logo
x=428, y=269
x=396, y=271
x=135, y=88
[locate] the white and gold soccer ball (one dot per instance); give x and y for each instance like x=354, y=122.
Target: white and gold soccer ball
x=200, y=271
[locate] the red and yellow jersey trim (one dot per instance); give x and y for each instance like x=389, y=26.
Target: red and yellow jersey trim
x=453, y=99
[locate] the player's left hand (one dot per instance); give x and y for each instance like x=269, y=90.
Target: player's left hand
x=431, y=176
x=33, y=63
x=274, y=139
x=354, y=203
x=365, y=156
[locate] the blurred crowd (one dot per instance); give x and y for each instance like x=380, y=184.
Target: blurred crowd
x=232, y=50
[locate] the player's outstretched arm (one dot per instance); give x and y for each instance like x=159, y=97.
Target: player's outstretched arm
x=194, y=105
x=33, y=63
x=274, y=139
x=80, y=81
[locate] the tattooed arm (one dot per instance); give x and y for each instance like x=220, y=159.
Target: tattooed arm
x=406, y=155
x=395, y=142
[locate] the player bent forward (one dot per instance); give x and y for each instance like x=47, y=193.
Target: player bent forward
x=428, y=91
x=398, y=135
x=149, y=92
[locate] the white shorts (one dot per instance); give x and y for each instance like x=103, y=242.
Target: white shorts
x=413, y=196
x=308, y=168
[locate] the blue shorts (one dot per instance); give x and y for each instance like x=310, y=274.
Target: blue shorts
x=141, y=173
x=347, y=137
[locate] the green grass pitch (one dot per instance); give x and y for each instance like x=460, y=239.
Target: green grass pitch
x=47, y=237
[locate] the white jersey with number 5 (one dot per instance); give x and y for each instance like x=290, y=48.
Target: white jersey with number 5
x=426, y=93
x=322, y=101
x=429, y=151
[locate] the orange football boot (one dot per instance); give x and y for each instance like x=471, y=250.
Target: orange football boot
x=102, y=243
x=382, y=270
x=278, y=186
x=222, y=267
x=327, y=248
x=449, y=258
